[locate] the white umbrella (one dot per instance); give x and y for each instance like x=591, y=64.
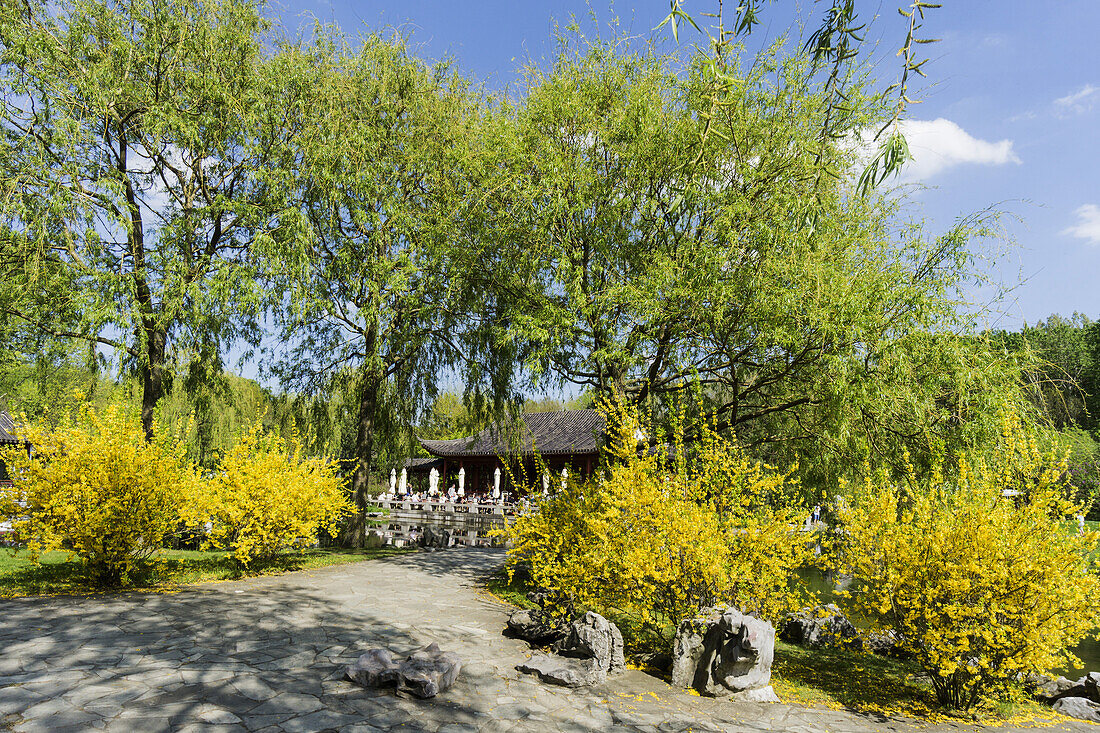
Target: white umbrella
x=496, y=483
x=403, y=484
x=462, y=481
x=564, y=477
x=393, y=480
x=433, y=481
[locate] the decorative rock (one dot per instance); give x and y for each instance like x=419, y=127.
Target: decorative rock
x=590, y=650
x=560, y=671
x=374, y=668
x=1091, y=681
x=593, y=637
x=887, y=644
x=1079, y=707
x=428, y=671
x=723, y=653
x=1050, y=690
x=756, y=694
x=820, y=626
x=534, y=627
x=424, y=673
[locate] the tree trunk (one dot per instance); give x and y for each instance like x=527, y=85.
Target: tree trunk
x=152, y=375
x=364, y=440
x=154, y=334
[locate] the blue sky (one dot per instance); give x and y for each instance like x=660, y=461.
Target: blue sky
x=1009, y=116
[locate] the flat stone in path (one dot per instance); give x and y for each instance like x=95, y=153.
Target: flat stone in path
x=270, y=654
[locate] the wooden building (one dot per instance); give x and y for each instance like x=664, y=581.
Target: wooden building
x=564, y=439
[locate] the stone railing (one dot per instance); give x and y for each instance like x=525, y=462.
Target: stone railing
x=465, y=523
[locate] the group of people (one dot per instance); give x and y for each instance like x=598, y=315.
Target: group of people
x=452, y=496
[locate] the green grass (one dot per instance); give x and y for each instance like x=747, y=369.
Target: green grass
x=61, y=572
x=839, y=678
x=513, y=591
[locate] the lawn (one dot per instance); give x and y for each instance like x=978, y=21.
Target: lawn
x=868, y=683
x=60, y=572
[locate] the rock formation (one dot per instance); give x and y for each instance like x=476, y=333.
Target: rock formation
x=590, y=650
x=424, y=673
x=725, y=653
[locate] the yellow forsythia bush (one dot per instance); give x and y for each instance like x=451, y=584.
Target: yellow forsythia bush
x=266, y=497
x=980, y=586
x=95, y=486
x=657, y=542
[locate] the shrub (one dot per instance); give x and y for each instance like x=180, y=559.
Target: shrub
x=266, y=497
x=981, y=586
x=658, y=540
x=95, y=486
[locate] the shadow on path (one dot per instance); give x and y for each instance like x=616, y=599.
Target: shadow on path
x=268, y=654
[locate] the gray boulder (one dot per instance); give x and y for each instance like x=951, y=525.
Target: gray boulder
x=591, y=636
x=1079, y=707
x=424, y=673
x=819, y=626
x=887, y=644
x=1051, y=689
x=590, y=649
x=725, y=653
x=557, y=670
x=535, y=627
x=374, y=668
x=428, y=671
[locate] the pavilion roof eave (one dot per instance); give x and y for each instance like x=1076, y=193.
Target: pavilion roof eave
x=566, y=432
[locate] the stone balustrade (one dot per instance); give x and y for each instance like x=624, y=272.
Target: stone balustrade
x=468, y=523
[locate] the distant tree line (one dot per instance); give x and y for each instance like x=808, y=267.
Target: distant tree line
x=1063, y=385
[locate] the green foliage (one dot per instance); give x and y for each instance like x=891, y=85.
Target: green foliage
x=657, y=542
x=132, y=138
x=1060, y=379
x=652, y=244
x=1082, y=468
x=449, y=417
x=42, y=388
x=980, y=586
x=95, y=486
x=1060, y=369
x=238, y=403
x=35, y=384
x=383, y=172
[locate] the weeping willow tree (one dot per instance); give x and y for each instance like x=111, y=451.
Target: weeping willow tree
x=702, y=226
x=131, y=132
x=376, y=304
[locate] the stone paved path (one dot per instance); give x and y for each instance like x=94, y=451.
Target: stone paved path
x=268, y=653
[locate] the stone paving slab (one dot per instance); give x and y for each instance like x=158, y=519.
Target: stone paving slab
x=267, y=654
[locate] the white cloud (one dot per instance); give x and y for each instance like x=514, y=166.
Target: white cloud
x=1088, y=224
x=1078, y=102
x=939, y=144
x=994, y=40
